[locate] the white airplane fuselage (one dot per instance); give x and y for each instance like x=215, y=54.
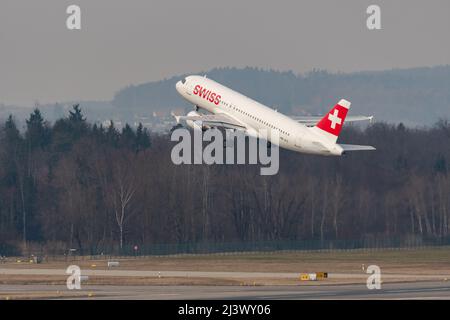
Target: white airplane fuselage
x=218, y=99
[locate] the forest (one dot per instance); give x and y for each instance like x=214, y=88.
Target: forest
x=73, y=184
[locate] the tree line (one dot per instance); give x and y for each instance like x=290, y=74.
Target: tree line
x=97, y=189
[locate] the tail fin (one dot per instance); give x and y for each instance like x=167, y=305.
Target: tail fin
x=177, y=118
x=331, y=124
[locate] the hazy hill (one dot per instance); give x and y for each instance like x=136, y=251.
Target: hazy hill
x=413, y=96
x=419, y=96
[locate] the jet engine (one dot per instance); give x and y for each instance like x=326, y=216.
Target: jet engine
x=196, y=125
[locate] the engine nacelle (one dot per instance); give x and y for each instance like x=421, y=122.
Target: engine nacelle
x=196, y=125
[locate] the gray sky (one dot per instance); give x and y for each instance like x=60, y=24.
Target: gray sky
x=135, y=41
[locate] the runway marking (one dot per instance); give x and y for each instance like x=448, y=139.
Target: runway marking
x=417, y=290
x=423, y=298
x=353, y=292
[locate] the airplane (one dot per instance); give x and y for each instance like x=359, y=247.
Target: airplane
x=229, y=109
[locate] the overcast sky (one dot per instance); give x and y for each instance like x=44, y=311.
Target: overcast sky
x=135, y=41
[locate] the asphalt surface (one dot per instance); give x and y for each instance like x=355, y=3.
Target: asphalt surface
x=214, y=274
x=428, y=290
x=431, y=286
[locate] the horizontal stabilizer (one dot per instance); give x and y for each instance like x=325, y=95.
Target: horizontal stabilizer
x=355, y=147
x=311, y=121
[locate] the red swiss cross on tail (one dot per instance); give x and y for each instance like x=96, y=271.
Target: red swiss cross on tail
x=332, y=123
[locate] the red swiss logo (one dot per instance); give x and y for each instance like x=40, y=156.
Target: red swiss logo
x=207, y=94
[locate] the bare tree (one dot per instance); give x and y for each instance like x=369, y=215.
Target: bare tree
x=122, y=190
x=337, y=200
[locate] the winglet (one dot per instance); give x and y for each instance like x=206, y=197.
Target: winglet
x=177, y=118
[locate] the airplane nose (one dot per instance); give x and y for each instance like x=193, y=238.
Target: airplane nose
x=179, y=86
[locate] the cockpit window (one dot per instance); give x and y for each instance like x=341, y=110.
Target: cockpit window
x=183, y=81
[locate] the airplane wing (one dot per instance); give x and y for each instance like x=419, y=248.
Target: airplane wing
x=213, y=120
x=311, y=121
x=355, y=147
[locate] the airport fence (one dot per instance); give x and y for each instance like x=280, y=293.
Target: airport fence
x=273, y=246
x=224, y=248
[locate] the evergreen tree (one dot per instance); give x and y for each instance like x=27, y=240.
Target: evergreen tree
x=77, y=122
x=142, y=138
x=12, y=134
x=37, y=134
x=128, y=137
x=112, y=136
x=76, y=116
x=13, y=151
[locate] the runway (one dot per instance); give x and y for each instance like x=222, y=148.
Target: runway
x=215, y=274
x=340, y=286
x=428, y=290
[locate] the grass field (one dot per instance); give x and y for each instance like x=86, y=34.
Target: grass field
x=347, y=267
x=437, y=259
